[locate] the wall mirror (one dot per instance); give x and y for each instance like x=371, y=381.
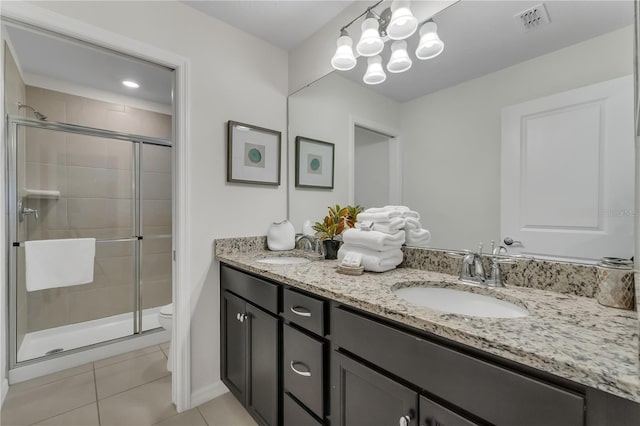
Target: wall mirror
x=510, y=132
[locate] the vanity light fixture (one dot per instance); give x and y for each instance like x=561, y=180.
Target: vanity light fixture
x=370, y=43
x=399, y=60
x=130, y=83
x=375, y=74
x=403, y=24
x=344, y=59
x=395, y=23
x=430, y=44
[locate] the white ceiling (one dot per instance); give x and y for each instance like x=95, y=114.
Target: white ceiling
x=282, y=23
x=42, y=55
x=482, y=37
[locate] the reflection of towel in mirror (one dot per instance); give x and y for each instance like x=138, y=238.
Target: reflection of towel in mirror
x=374, y=261
x=378, y=216
x=418, y=237
x=373, y=240
x=412, y=223
x=391, y=227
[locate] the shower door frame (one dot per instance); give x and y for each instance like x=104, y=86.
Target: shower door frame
x=11, y=185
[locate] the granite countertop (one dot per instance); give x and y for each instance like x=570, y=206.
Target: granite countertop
x=569, y=336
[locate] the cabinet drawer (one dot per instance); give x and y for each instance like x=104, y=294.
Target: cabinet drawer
x=303, y=366
x=493, y=393
x=255, y=290
x=305, y=311
x=294, y=415
x=434, y=414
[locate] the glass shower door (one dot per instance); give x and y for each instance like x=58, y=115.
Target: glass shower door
x=70, y=186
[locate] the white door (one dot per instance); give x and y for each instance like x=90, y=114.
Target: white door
x=375, y=168
x=567, y=173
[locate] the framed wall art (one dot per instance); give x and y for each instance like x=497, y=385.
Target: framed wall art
x=314, y=163
x=253, y=154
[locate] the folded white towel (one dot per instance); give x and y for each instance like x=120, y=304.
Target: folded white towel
x=59, y=263
x=418, y=237
x=373, y=240
x=378, y=216
x=398, y=208
x=391, y=227
x=411, y=223
x=410, y=214
x=373, y=261
x=386, y=209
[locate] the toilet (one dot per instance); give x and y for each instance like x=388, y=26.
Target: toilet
x=165, y=318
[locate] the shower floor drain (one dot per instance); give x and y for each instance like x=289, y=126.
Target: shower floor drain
x=54, y=351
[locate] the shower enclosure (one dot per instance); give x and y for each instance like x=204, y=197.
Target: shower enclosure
x=67, y=181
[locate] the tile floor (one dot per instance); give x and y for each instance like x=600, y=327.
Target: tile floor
x=128, y=389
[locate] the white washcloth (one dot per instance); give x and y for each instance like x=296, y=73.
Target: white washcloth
x=374, y=261
x=410, y=214
x=59, y=263
x=378, y=216
x=418, y=237
x=412, y=223
x=373, y=240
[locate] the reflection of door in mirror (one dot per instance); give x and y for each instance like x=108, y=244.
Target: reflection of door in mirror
x=376, y=167
x=566, y=163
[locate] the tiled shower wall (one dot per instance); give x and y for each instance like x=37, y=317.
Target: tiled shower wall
x=94, y=177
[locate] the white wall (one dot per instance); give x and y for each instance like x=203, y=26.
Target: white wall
x=234, y=76
x=327, y=111
x=452, y=137
x=371, y=164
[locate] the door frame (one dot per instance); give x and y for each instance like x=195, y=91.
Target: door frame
x=395, y=157
x=51, y=21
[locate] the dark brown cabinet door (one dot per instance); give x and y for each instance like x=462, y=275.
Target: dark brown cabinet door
x=234, y=345
x=263, y=365
x=363, y=397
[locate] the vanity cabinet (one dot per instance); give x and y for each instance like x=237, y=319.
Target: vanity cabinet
x=296, y=359
x=250, y=343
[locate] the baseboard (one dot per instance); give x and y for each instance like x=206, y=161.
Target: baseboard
x=208, y=393
x=3, y=392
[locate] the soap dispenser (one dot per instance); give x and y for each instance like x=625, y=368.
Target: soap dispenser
x=281, y=236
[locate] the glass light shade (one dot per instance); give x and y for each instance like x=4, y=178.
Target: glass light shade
x=370, y=43
x=375, y=74
x=399, y=60
x=430, y=44
x=344, y=59
x=402, y=24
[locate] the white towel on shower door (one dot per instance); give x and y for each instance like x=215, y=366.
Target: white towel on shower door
x=59, y=263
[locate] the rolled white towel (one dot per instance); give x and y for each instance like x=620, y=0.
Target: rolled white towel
x=412, y=223
x=380, y=216
x=391, y=227
x=418, y=237
x=381, y=261
x=374, y=240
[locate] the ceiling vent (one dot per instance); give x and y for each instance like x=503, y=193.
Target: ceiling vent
x=534, y=17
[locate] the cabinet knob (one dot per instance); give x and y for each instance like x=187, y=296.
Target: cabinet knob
x=241, y=317
x=404, y=421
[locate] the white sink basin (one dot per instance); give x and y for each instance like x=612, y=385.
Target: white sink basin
x=284, y=260
x=461, y=302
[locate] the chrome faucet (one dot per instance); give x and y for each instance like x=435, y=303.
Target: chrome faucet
x=26, y=211
x=472, y=270
x=310, y=243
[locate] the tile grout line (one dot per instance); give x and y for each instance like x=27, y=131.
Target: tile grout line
x=124, y=360
x=95, y=387
x=202, y=415
x=59, y=414
x=137, y=386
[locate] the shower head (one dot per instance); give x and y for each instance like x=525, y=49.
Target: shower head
x=36, y=113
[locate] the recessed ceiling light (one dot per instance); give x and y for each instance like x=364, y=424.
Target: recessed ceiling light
x=130, y=83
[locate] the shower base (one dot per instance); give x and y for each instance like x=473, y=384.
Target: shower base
x=53, y=340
